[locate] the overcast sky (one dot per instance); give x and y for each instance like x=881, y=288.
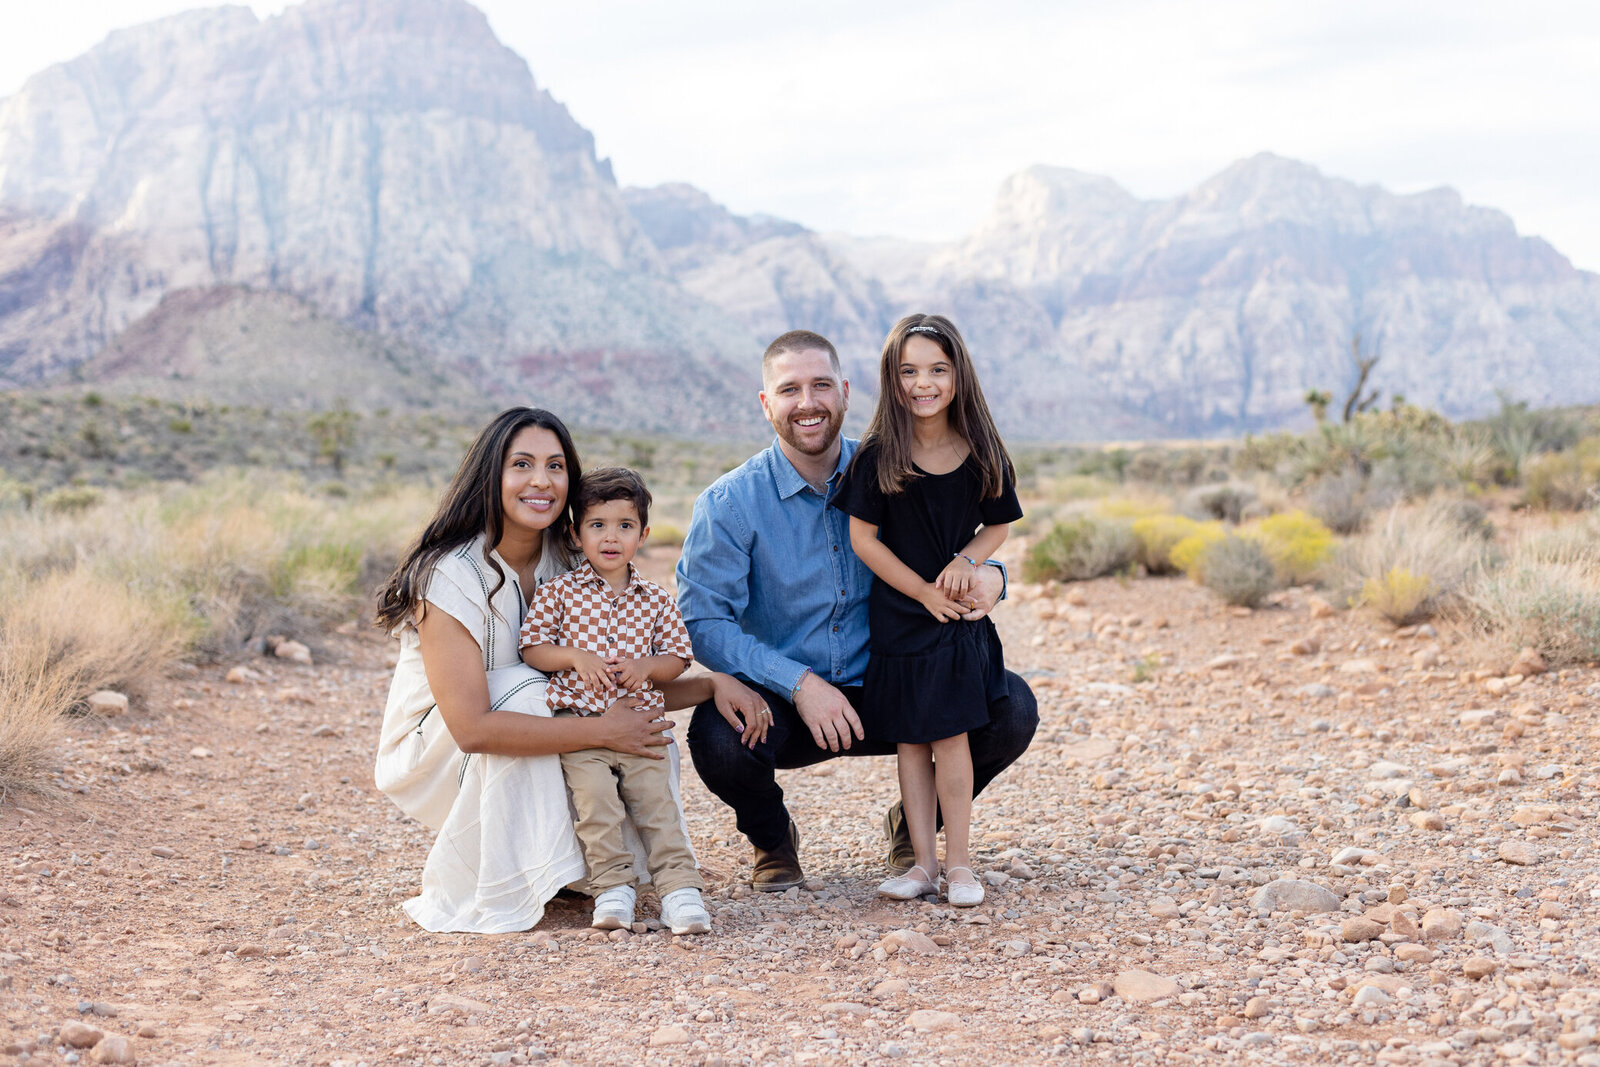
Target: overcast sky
x=903, y=118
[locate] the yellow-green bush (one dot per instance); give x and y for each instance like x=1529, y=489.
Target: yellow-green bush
x=1186, y=555
x=1080, y=549
x=1567, y=480
x=1298, y=544
x=1398, y=595
x=1157, y=535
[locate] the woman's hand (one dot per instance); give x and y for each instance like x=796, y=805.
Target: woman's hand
x=956, y=579
x=743, y=707
x=635, y=732
x=940, y=606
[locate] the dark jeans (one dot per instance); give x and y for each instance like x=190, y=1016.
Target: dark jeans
x=744, y=779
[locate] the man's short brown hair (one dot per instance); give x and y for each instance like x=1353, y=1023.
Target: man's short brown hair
x=606, y=484
x=800, y=341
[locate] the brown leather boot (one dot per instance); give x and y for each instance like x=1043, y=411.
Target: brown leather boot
x=778, y=869
x=900, y=855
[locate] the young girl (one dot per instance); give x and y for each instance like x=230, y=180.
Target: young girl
x=930, y=495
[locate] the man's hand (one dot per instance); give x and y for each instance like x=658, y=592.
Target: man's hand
x=827, y=714
x=987, y=585
x=593, y=671
x=743, y=707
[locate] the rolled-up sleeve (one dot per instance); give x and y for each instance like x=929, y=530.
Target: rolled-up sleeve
x=714, y=594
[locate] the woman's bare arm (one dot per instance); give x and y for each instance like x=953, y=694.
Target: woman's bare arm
x=454, y=665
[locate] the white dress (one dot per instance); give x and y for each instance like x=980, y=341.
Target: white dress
x=505, y=841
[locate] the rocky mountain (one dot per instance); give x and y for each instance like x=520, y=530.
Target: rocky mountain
x=387, y=161
x=372, y=200
x=1093, y=312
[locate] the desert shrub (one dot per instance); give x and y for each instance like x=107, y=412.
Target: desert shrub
x=1398, y=595
x=1079, y=549
x=1188, y=554
x=1156, y=536
x=1226, y=502
x=1238, y=570
x=1553, y=606
x=1298, y=544
x=1467, y=455
x=1469, y=516
x=70, y=499
x=1565, y=481
x=1426, y=542
x=1340, y=501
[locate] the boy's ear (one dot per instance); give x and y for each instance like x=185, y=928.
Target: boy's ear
x=644, y=533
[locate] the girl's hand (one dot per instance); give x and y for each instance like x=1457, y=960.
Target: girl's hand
x=940, y=606
x=956, y=579
x=629, y=672
x=592, y=671
x=638, y=733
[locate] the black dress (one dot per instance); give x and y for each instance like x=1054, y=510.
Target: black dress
x=926, y=679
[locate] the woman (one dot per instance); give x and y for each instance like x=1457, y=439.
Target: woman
x=468, y=747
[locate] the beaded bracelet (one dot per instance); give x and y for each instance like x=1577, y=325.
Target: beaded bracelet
x=970, y=561
x=795, y=692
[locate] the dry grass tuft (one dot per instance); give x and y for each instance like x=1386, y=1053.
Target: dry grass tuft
x=102, y=596
x=1427, y=546
x=1547, y=596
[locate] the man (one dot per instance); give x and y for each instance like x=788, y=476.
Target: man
x=772, y=593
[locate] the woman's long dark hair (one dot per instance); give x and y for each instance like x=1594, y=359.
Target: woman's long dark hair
x=471, y=506
x=969, y=412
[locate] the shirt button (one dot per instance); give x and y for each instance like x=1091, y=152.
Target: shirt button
x=835, y=629
x=836, y=548
x=841, y=592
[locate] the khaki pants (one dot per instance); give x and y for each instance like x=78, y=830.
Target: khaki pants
x=608, y=786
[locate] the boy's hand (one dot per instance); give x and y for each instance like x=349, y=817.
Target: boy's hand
x=940, y=606
x=956, y=579
x=592, y=671
x=629, y=673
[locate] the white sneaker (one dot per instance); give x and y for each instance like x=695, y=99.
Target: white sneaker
x=683, y=912
x=613, y=909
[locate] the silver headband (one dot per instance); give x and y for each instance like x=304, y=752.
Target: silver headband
x=925, y=329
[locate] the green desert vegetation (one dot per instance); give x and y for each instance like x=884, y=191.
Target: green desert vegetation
x=1390, y=511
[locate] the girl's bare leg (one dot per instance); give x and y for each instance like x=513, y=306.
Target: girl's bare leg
x=952, y=771
x=918, y=794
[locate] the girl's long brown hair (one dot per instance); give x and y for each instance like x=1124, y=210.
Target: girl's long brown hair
x=471, y=506
x=969, y=412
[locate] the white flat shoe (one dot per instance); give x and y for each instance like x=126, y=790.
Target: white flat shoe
x=962, y=894
x=613, y=909
x=909, y=886
x=684, y=912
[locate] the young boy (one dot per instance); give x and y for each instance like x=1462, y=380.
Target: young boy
x=602, y=632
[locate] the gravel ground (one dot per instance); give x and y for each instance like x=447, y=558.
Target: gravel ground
x=1280, y=836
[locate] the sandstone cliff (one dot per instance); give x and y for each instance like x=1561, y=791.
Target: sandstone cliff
x=388, y=161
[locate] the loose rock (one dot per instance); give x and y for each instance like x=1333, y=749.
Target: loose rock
x=1294, y=894
x=1140, y=987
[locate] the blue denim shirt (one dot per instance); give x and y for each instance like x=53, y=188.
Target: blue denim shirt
x=767, y=582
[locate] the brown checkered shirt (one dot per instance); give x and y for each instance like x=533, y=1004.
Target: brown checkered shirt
x=577, y=610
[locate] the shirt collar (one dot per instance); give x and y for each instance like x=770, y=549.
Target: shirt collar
x=788, y=479
x=585, y=574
